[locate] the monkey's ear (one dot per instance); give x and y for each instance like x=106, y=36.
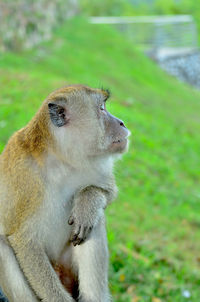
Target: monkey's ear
x=57, y=114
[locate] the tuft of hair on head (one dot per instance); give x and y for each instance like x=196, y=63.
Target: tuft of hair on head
x=106, y=92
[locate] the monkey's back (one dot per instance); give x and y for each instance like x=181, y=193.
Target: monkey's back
x=20, y=185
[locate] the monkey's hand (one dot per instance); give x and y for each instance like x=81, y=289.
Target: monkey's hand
x=88, y=208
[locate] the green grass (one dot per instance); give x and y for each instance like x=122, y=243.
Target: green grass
x=154, y=226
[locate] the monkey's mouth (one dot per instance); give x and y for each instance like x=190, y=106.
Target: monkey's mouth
x=119, y=145
x=117, y=142
x=120, y=140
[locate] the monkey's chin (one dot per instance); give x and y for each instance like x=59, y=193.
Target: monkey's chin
x=120, y=146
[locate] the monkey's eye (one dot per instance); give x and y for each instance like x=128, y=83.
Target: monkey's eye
x=102, y=106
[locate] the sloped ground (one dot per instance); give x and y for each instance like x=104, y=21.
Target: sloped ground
x=154, y=226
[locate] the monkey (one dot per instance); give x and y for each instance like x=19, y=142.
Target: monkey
x=56, y=178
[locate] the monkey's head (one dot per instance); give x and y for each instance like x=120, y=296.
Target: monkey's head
x=81, y=124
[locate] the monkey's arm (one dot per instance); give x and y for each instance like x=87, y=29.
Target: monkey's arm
x=88, y=208
x=37, y=269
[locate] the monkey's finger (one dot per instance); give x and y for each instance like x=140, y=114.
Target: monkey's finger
x=80, y=237
x=75, y=234
x=78, y=241
x=87, y=232
x=73, y=238
x=70, y=220
x=84, y=233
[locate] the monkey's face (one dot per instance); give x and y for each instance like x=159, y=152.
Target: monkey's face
x=114, y=134
x=82, y=124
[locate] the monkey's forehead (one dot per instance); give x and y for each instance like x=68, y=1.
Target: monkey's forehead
x=78, y=88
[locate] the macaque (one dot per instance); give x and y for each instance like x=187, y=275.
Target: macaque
x=56, y=178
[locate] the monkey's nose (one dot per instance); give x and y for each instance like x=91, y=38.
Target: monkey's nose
x=122, y=124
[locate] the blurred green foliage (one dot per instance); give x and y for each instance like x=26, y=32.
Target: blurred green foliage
x=154, y=226
x=128, y=7
x=106, y=8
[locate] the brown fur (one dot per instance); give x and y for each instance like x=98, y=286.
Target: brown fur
x=68, y=278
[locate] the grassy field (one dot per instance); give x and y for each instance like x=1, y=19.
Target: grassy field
x=154, y=225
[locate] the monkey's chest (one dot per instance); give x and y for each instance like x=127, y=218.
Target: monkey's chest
x=54, y=228
x=56, y=209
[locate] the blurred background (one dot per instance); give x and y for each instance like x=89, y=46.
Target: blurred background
x=147, y=53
